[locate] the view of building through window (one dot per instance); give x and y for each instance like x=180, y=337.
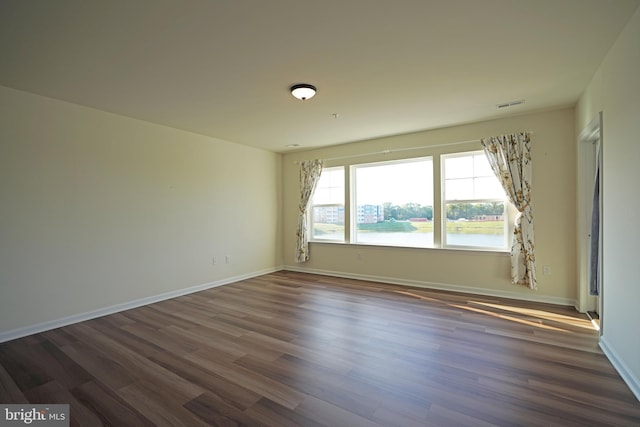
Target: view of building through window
x=327, y=206
x=394, y=203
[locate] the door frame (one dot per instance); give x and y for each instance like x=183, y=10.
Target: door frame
x=590, y=149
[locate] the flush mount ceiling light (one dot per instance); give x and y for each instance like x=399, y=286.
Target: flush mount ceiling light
x=303, y=91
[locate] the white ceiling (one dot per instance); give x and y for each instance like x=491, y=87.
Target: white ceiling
x=223, y=67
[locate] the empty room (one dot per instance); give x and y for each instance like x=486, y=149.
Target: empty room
x=329, y=213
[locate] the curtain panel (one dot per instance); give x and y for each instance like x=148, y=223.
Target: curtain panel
x=310, y=171
x=510, y=159
x=594, y=276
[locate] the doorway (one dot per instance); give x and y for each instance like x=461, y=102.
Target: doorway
x=589, y=221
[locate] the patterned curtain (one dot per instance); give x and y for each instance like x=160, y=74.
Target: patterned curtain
x=510, y=159
x=310, y=171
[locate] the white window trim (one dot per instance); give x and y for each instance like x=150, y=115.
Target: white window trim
x=351, y=232
x=507, y=213
x=310, y=219
x=439, y=212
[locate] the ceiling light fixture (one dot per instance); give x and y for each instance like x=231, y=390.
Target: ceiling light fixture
x=303, y=91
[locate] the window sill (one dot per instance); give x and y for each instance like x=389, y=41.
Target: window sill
x=453, y=249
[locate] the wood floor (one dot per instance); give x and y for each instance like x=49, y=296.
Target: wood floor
x=291, y=349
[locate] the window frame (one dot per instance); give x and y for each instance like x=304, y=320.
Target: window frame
x=312, y=237
x=353, y=229
x=444, y=203
x=439, y=204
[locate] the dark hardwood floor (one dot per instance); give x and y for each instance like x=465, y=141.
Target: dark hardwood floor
x=291, y=349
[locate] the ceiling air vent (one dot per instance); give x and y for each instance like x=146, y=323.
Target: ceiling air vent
x=510, y=104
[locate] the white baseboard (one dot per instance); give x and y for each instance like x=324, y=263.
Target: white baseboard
x=439, y=286
x=57, y=323
x=81, y=317
x=632, y=381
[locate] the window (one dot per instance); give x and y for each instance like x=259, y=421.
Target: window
x=327, y=206
x=392, y=203
x=474, y=203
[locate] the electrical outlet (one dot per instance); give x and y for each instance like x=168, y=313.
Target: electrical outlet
x=214, y=261
x=227, y=259
x=546, y=270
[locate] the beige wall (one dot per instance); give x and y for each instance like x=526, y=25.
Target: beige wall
x=615, y=90
x=554, y=170
x=99, y=209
